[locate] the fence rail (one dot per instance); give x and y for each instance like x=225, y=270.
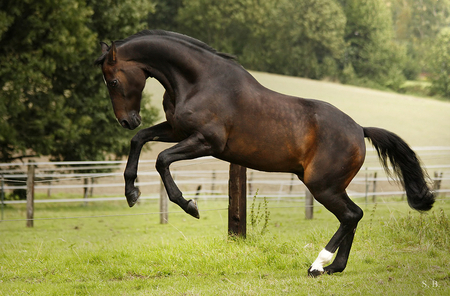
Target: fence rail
x=204, y=178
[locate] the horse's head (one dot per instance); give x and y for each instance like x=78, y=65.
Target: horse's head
x=125, y=81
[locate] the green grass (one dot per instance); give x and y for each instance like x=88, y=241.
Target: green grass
x=396, y=251
x=107, y=251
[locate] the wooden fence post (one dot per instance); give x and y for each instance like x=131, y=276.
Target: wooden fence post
x=309, y=205
x=374, y=189
x=30, y=194
x=86, y=190
x=237, y=208
x=91, y=189
x=49, y=189
x=213, y=181
x=2, y=194
x=437, y=182
x=292, y=183
x=197, y=193
x=163, y=207
x=367, y=187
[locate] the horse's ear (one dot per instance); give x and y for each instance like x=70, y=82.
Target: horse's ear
x=105, y=47
x=112, y=54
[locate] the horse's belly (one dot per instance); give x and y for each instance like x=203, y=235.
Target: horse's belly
x=278, y=155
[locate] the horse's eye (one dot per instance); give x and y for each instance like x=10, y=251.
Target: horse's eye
x=113, y=83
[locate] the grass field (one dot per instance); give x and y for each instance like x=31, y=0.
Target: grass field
x=109, y=249
x=396, y=251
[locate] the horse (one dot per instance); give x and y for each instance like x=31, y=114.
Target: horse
x=214, y=107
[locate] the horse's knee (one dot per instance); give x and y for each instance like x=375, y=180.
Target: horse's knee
x=161, y=163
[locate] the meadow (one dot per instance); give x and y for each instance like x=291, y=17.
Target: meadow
x=105, y=248
x=111, y=250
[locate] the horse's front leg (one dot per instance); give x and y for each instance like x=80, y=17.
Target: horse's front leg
x=190, y=148
x=161, y=132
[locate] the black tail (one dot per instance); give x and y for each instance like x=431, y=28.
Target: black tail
x=405, y=164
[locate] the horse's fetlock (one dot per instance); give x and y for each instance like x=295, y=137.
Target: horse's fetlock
x=130, y=175
x=176, y=198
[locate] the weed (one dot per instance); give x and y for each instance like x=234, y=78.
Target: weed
x=423, y=229
x=256, y=217
x=366, y=231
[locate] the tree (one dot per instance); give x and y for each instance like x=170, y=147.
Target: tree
x=52, y=99
x=417, y=24
x=164, y=15
x=217, y=23
x=302, y=38
x=439, y=64
x=371, y=51
x=421, y=19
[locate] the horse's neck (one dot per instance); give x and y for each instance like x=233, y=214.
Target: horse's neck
x=175, y=66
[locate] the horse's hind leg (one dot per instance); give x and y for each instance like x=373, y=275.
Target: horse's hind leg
x=340, y=262
x=348, y=214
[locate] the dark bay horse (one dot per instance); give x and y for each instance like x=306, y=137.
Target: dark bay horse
x=213, y=106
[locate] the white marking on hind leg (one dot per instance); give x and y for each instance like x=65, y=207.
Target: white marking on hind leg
x=323, y=258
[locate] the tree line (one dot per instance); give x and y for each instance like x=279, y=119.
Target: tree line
x=374, y=43
x=53, y=101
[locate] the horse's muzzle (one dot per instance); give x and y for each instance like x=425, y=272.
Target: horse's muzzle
x=131, y=122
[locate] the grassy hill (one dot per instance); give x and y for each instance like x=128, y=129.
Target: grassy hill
x=420, y=121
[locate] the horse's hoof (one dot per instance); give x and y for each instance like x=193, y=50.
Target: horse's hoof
x=192, y=209
x=133, y=196
x=314, y=273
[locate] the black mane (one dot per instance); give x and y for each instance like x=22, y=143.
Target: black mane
x=174, y=35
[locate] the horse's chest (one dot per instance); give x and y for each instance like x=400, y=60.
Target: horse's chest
x=183, y=121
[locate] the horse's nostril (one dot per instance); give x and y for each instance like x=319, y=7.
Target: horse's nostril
x=138, y=120
x=125, y=124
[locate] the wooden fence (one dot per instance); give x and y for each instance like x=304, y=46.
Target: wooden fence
x=196, y=181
